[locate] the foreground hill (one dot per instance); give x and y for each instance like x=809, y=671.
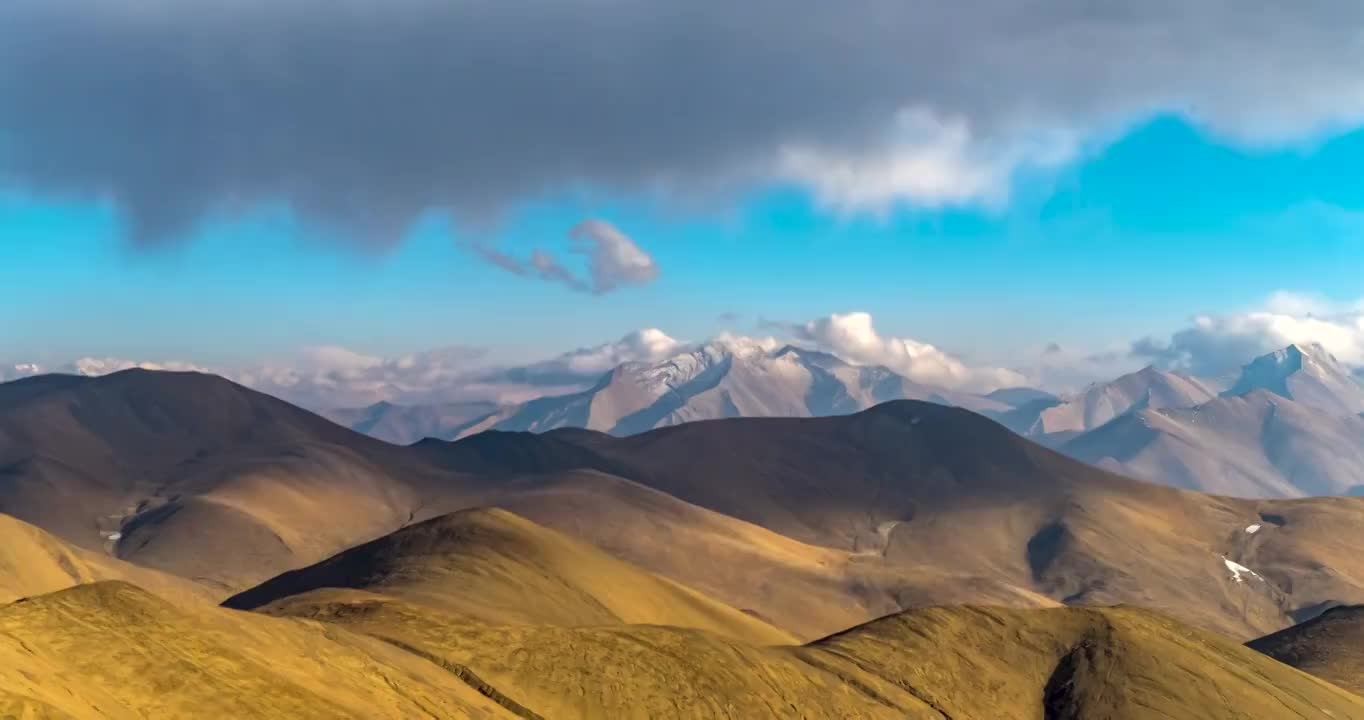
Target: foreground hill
x=942, y=662
x=1330, y=646
x=111, y=650
x=33, y=562
x=1255, y=445
x=494, y=567
x=919, y=486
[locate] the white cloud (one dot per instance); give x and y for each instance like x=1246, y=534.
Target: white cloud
x=92, y=367
x=853, y=337
x=1218, y=344
x=931, y=160
x=332, y=376
x=589, y=363
x=1063, y=370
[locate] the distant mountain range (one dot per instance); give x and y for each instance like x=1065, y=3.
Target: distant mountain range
x=1286, y=426
x=732, y=377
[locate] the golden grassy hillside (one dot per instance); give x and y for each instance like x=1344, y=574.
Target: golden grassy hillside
x=808, y=589
x=1112, y=664
x=33, y=562
x=1330, y=646
x=930, y=493
x=493, y=567
x=110, y=650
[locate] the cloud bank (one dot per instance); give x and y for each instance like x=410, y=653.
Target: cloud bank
x=854, y=338
x=330, y=377
x=364, y=114
x=1218, y=344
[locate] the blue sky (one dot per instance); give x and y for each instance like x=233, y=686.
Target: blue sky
x=227, y=183
x=1126, y=242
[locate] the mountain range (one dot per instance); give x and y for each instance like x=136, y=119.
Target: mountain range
x=716, y=567
x=726, y=377
x=812, y=523
x=674, y=572
x=1287, y=426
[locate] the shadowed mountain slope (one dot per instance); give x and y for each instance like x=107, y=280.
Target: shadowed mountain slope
x=494, y=567
x=922, y=485
x=193, y=474
x=812, y=524
x=1330, y=646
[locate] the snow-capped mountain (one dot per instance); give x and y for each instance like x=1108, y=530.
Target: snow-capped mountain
x=1053, y=421
x=1288, y=426
x=727, y=377
x=1307, y=374
x=1257, y=444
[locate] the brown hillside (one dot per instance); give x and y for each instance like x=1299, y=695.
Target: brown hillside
x=1330, y=646
x=927, y=487
x=110, y=650
x=493, y=567
x=33, y=562
x=1117, y=664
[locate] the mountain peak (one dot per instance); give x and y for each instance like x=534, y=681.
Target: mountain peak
x=738, y=346
x=1305, y=372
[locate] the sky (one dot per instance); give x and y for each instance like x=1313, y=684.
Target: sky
x=1042, y=192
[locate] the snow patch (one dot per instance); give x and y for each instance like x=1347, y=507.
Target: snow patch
x=1237, y=570
x=115, y=536
x=1252, y=529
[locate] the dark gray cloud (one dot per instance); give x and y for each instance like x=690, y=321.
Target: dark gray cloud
x=363, y=114
x=613, y=260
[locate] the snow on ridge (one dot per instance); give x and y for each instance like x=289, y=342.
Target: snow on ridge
x=1252, y=529
x=1238, y=569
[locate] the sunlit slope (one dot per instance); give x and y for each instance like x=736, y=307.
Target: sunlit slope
x=1081, y=663
x=110, y=650
x=1330, y=646
x=33, y=562
x=493, y=567
x=808, y=589
x=961, y=662
x=943, y=506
